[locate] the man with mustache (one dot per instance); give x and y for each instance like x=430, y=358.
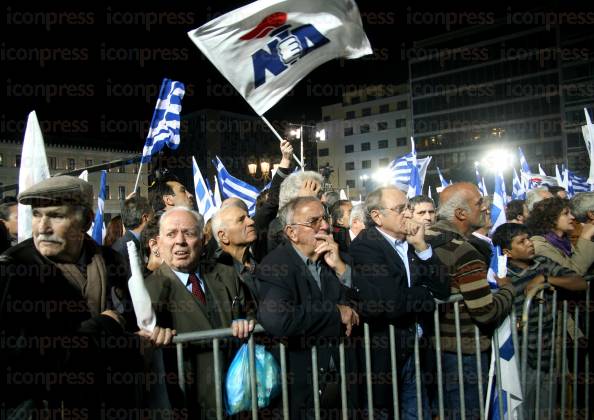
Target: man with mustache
x=64, y=312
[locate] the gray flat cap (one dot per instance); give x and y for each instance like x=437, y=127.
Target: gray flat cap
x=58, y=191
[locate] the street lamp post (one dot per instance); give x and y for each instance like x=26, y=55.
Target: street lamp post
x=298, y=133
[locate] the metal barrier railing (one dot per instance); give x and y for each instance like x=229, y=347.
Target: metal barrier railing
x=557, y=340
x=215, y=336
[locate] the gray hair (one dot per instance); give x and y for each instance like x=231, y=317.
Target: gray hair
x=217, y=223
x=581, y=204
x=357, y=213
x=292, y=184
x=197, y=217
x=287, y=212
x=533, y=196
x=447, y=209
x=374, y=202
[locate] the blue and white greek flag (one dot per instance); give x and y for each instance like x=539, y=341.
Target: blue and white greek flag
x=98, y=229
x=165, y=124
x=578, y=183
x=480, y=182
x=518, y=190
x=509, y=378
x=415, y=187
x=497, y=266
x=444, y=183
x=234, y=187
x=203, y=195
x=525, y=172
x=400, y=169
x=498, y=206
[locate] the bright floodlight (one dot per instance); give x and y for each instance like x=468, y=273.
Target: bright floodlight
x=382, y=175
x=497, y=160
x=321, y=135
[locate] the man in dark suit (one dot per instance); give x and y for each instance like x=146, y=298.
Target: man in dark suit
x=304, y=296
x=187, y=300
x=398, y=278
x=135, y=215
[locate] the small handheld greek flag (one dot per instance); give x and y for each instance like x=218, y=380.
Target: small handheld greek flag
x=203, y=195
x=444, y=183
x=234, y=187
x=518, y=190
x=99, y=225
x=165, y=124
x=497, y=267
x=498, y=206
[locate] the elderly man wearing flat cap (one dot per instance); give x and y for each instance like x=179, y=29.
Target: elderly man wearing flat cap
x=65, y=316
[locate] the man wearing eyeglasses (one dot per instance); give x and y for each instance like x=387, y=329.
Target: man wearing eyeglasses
x=398, y=278
x=305, y=297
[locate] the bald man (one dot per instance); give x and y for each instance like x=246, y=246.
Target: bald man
x=461, y=212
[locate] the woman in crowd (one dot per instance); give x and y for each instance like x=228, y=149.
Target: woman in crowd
x=551, y=222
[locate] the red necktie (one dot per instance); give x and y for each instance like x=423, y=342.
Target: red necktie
x=196, y=289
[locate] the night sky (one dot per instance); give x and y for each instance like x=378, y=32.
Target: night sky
x=93, y=71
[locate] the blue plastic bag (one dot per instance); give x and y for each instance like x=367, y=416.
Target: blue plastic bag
x=237, y=383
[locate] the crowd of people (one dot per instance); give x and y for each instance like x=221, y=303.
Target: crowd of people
x=309, y=267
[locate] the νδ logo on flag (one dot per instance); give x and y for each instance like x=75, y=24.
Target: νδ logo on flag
x=286, y=46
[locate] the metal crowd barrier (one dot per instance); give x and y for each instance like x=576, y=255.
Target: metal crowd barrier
x=215, y=336
x=558, y=363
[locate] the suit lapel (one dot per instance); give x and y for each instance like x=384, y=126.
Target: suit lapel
x=188, y=305
x=312, y=284
x=388, y=249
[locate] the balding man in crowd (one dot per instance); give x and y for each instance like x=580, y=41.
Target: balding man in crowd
x=235, y=231
x=304, y=296
x=64, y=307
x=461, y=211
x=187, y=300
x=398, y=278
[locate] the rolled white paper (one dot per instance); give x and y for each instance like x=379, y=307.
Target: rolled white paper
x=141, y=300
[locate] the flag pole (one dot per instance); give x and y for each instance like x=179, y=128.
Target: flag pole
x=138, y=176
x=280, y=139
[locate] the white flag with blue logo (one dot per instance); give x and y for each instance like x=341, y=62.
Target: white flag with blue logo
x=165, y=125
x=266, y=47
x=518, y=190
x=206, y=206
x=234, y=187
x=498, y=205
x=98, y=228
